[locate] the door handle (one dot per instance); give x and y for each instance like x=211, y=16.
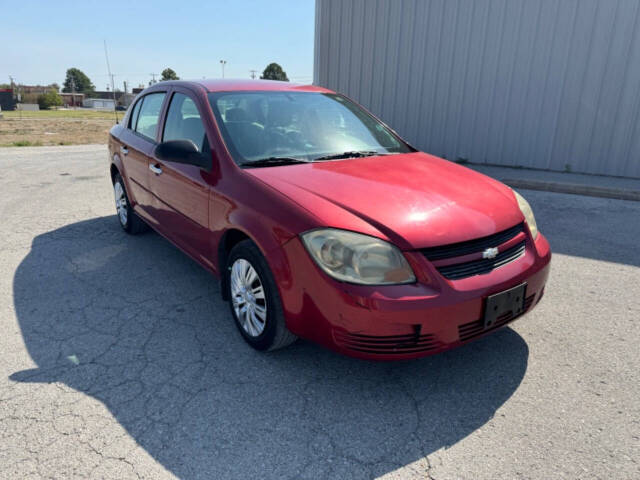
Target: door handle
x=124, y=150
x=155, y=169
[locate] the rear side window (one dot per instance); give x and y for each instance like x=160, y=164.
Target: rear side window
x=184, y=122
x=149, y=115
x=134, y=114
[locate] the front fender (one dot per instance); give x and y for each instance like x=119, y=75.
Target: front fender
x=247, y=206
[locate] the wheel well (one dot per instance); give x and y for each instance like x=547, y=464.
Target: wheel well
x=230, y=239
x=114, y=172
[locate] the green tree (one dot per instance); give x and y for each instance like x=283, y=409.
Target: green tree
x=274, y=72
x=77, y=82
x=168, y=74
x=49, y=99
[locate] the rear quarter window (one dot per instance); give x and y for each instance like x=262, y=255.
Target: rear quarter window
x=133, y=119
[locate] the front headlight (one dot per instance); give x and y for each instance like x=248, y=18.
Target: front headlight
x=525, y=208
x=356, y=258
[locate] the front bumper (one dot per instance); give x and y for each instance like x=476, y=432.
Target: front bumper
x=400, y=321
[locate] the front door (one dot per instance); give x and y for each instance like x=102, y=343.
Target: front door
x=181, y=192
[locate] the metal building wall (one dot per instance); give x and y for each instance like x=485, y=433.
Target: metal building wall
x=552, y=84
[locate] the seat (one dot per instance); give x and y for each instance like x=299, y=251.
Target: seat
x=247, y=136
x=193, y=129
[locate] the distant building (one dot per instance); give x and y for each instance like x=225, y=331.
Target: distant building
x=72, y=99
x=7, y=101
x=37, y=88
x=123, y=99
x=28, y=107
x=99, y=103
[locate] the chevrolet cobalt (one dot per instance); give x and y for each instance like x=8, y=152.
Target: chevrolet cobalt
x=321, y=222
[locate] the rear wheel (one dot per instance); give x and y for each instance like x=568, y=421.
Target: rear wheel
x=254, y=299
x=129, y=221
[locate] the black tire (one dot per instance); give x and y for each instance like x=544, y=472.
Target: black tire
x=133, y=224
x=275, y=334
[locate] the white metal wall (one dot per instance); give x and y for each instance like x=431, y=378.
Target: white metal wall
x=552, y=84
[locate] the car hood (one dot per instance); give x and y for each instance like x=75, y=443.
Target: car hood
x=414, y=200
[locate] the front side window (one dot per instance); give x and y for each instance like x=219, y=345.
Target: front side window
x=149, y=115
x=184, y=122
x=300, y=125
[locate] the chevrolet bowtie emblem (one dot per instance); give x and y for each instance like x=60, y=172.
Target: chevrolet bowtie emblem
x=490, y=252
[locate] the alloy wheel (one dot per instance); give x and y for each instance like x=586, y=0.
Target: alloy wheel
x=248, y=297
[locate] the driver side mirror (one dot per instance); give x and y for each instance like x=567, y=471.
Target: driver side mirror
x=182, y=151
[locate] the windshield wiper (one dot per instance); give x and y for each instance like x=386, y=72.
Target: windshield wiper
x=273, y=161
x=350, y=154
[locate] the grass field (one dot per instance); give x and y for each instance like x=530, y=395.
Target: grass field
x=55, y=127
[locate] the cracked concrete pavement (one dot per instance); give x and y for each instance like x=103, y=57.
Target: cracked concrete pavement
x=119, y=360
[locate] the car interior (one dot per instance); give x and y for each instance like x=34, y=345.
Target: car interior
x=264, y=126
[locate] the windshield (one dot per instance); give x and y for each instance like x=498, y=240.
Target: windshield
x=298, y=126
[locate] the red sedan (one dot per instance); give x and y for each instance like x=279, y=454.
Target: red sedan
x=321, y=222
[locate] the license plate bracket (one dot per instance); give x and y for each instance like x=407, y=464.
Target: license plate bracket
x=507, y=304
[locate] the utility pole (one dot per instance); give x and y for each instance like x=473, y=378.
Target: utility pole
x=13, y=92
x=222, y=64
x=73, y=92
x=125, y=95
x=153, y=78
x=15, y=96
x=253, y=74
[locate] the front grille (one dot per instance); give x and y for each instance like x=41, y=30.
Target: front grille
x=388, y=344
x=483, y=265
x=470, y=330
x=472, y=246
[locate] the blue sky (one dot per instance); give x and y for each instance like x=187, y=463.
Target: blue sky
x=40, y=40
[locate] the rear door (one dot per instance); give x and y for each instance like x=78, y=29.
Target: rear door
x=140, y=139
x=181, y=192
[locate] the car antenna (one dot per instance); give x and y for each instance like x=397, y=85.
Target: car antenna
x=113, y=90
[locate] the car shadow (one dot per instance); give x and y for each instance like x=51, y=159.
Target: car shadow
x=137, y=325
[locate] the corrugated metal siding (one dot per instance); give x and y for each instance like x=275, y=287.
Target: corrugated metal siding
x=552, y=84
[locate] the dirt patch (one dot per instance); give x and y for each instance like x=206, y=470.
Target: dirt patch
x=56, y=127
x=53, y=131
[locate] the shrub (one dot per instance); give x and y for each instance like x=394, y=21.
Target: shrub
x=25, y=143
x=49, y=99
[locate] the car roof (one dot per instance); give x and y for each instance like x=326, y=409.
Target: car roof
x=229, y=85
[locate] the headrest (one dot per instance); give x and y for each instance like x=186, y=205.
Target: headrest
x=236, y=115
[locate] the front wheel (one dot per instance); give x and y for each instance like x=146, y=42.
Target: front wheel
x=254, y=299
